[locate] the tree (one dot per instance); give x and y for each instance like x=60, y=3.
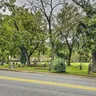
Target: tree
x=47, y=8
x=27, y=30
x=5, y=39
x=31, y=37
x=68, y=20
x=89, y=8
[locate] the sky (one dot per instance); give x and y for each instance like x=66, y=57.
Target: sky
x=22, y=2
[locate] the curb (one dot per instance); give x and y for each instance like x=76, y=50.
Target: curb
x=15, y=70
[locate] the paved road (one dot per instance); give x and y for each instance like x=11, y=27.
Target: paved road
x=35, y=84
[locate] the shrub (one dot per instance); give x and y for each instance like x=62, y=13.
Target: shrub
x=60, y=65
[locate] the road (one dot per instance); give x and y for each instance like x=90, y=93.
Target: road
x=38, y=84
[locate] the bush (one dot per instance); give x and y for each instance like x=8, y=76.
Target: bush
x=60, y=65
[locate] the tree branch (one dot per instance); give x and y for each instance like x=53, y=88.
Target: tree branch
x=78, y=3
x=44, y=12
x=35, y=48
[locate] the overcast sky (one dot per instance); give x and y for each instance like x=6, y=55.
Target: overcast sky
x=22, y=2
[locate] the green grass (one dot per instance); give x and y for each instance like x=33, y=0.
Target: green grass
x=25, y=68
x=3, y=66
x=73, y=69
x=36, y=69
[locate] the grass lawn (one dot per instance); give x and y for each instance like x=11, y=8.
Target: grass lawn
x=25, y=68
x=73, y=69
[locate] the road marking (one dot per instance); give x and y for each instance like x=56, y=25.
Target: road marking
x=48, y=83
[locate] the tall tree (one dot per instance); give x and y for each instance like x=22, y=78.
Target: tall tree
x=47, y=8
x=90, y=10
x=27, y=29
x=68, y=20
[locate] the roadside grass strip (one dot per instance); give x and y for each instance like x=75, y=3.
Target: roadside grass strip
x=48, y=83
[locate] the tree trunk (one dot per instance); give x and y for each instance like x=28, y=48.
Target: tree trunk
x=2, y=62
x=28, y=60
x=52, y=56
x=69, y=57
x=70, y=47
x=94, y=62
x=25, y=55
x=52, y=45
